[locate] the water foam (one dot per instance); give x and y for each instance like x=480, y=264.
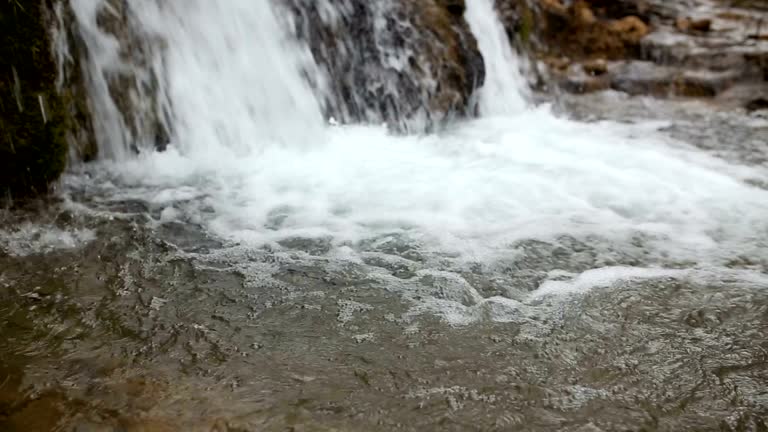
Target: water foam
x=474, y=190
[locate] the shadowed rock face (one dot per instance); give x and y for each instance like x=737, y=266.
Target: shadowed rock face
x=409, y=63
x=41, y=120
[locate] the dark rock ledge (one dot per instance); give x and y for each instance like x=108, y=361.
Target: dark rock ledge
x=40, y=121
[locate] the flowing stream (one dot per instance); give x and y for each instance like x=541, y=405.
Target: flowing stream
x=267, y=231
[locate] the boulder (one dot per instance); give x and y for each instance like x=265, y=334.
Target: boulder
x=583, y=14
x=630, y=29
x=686, y=24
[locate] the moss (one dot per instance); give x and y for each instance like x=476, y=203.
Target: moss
x=33, y=123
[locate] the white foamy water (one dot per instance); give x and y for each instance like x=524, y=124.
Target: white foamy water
x=252, y=162
x=473, y=190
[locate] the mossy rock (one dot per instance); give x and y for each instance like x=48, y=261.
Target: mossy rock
x=33, y=124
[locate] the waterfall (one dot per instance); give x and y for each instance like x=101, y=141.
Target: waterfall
x=505, y=88
x=240, y=75
x=246, y=89
x=227, y=74
x=235, y=76
x=121, y=64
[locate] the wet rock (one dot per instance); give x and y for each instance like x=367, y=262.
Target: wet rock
x=701, y=25
x=585, y=84
x=683, y=24
x=686, y=24
x=679, y=54
x=646, y=78
x=704, y=318
x=577, y=29
x=583, y=14
x=449, y=287
x=595, y=67
x=33, y=116
x=72, y=85
x=589, y=427
x=757, y=104
x=587, y=77
x=741, y=96
x=631, y=29
x=411, y=64
x=133, y=90
x=557, y=63
x=554, y=7
x=614, y=9
x=455, y=7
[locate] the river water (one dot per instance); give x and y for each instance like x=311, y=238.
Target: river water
x=273, y=270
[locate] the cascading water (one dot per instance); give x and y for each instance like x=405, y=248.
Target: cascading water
x=504, y=89
x=222, y=93
x=252, y=162
x=122, y=65
x=234, y=77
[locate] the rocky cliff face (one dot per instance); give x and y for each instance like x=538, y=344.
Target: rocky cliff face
x=42, y=117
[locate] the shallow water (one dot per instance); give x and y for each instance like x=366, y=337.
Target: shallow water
x=138, y=316
x=604, y=268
